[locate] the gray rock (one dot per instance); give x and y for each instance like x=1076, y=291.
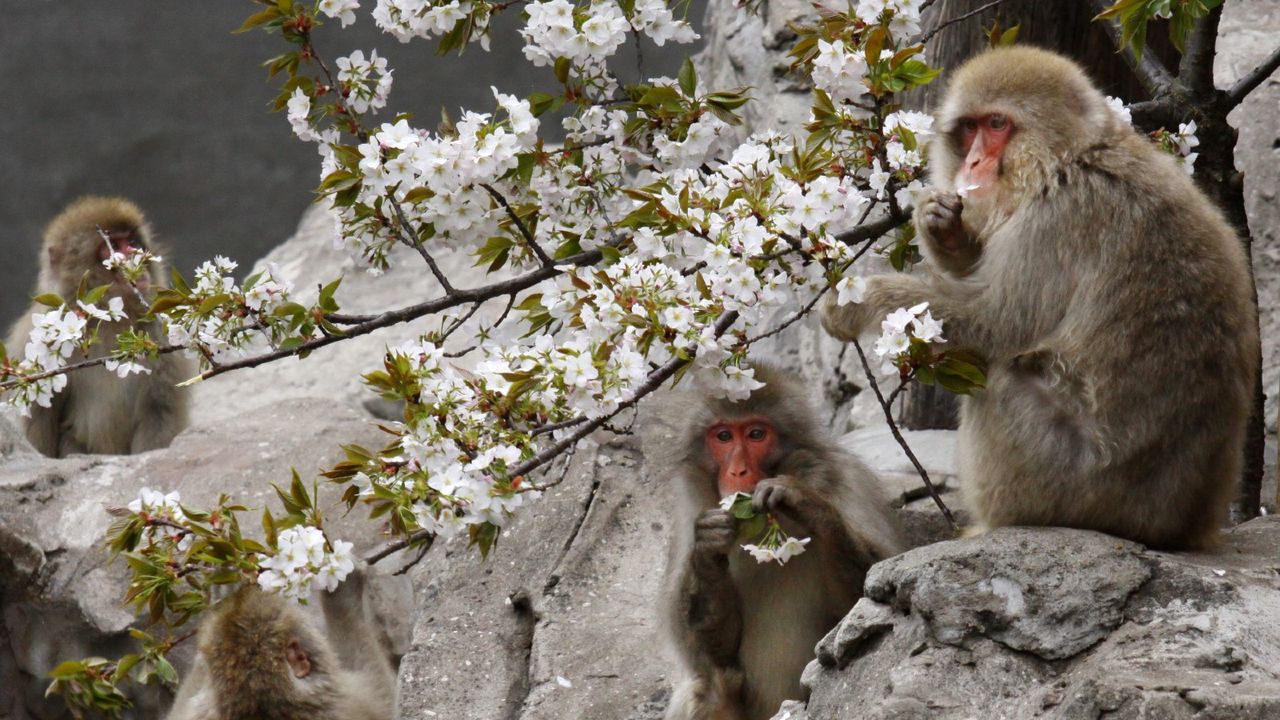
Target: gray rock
x=62, y=596
x=1057, y=623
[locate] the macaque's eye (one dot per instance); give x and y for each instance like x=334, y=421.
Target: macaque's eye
x=724, y=436
x=998, y=122
x=969, y=125
x=757, y=433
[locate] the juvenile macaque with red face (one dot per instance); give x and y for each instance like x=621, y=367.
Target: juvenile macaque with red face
x=1109, y=297
x=744, y=631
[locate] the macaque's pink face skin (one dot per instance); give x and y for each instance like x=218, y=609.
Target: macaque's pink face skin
x=126, y=242
x=982, y=141
x=739, y=450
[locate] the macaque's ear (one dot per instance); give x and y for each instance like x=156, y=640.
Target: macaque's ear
x=56, y=254
x=299, y=660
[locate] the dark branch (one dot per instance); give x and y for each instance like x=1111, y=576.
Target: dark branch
x=926, y=37
x=1195, y=72
x=897, y=435
x=401, y=544
x=404, y=232
x=652, y=383
x=368, y=324
x=875, y=228
x=1153, y=75
x=524, y=230
x=1253, y=79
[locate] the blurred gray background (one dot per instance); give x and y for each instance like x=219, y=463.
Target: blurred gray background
x=161, y=103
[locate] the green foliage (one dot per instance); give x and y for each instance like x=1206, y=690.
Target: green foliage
x=1134, y=16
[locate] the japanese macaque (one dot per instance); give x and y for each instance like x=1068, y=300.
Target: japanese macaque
x=1110, y=299
x=259, y=657
x=743, y=630
x=97, y=412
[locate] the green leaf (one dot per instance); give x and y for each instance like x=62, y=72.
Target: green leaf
x=259, y=18
x=52, y=300
x=688, y=78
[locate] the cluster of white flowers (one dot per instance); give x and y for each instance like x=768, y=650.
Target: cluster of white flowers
x=268, y=291
x=55, y=336
x=302, y=562
x=344, y=10
x=366, y=84
x=654, y=18
x=838, y=71
x=232, y=335
x=1120, y=110
x=904, y=24
x=163, y=506
x=407, y=19
x=555, y=29
x=774, y=544
x=897, y=331
x=298, y=112
x=1184, y=140
x=788, y=548
x=130, y=265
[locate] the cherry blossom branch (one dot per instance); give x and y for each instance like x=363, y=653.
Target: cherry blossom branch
x=19, y=380
x=926, y=37
x=412, y=241
x=524, y=230
x=363, y=324
x=653, y=382
x=897, y=435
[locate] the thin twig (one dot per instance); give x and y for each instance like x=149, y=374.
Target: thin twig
x=524, y=230
x=132, y=285
x=791, y=320
x=402, y=543
x=897, y=435
x=926, y=37
x=1253, y=79
x=412, y=241
x=652, y=383
x=23, y=379
x=1154, y=76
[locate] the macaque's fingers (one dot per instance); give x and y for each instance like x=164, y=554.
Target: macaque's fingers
x=773, y=495
x=715, y=532
x=940, y=215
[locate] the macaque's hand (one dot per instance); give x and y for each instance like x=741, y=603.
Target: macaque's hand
x=775, y=495
x=714, y=533
x=939, y=221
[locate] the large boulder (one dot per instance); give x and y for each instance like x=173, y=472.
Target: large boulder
x=1057, y=623
x=61, y=594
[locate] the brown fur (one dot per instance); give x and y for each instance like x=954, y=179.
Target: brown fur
x=745, y=631
x=241, y=671
x=97, y=412
x=1111, y=301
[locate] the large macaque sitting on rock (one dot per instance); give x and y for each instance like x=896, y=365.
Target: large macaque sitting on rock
x=259, y=658
x=744, y=631
x=1109, y=297
x=97, y=412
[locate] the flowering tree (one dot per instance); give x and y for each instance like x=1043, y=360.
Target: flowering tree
x=650, y=246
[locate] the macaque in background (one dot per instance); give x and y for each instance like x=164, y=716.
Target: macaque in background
x=259, y=657
x=743, y=630
x=98, y=412
x=1110, y=298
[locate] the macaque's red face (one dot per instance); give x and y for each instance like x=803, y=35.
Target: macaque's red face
x=982, y=141
x=740, y=450
x=125, y=241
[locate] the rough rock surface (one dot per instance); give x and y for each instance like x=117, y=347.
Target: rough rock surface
x=61, y=598
x=1055, y=623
